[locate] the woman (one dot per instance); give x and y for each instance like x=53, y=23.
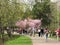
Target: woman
x=39, y=31
x=46, y=33
x=58, y=33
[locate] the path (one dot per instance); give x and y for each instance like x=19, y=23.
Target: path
x=41, y=41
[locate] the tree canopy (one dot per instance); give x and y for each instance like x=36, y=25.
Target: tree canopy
x=42, y=10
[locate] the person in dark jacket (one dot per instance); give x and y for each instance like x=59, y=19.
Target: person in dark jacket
x=42, y=32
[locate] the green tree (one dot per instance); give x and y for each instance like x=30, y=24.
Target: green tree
x=42, y=10
x=10, y=12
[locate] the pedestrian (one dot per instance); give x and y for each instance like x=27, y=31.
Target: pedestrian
x=20, y=31
x=33, y=31
x=42, y=32
x=39, y=31
x=57, y=33
x=46, y=33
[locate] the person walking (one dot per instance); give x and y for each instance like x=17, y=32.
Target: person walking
x=42, y=32
x=39, y=31
x=33, y=31
x=57, y=33
x=46, y=34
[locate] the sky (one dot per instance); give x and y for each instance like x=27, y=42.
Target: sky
x=29, y=1
x=54, y=0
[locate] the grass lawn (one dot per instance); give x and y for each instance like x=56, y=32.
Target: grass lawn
x=22, y=40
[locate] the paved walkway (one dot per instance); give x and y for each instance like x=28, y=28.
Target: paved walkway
x=41, y=41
